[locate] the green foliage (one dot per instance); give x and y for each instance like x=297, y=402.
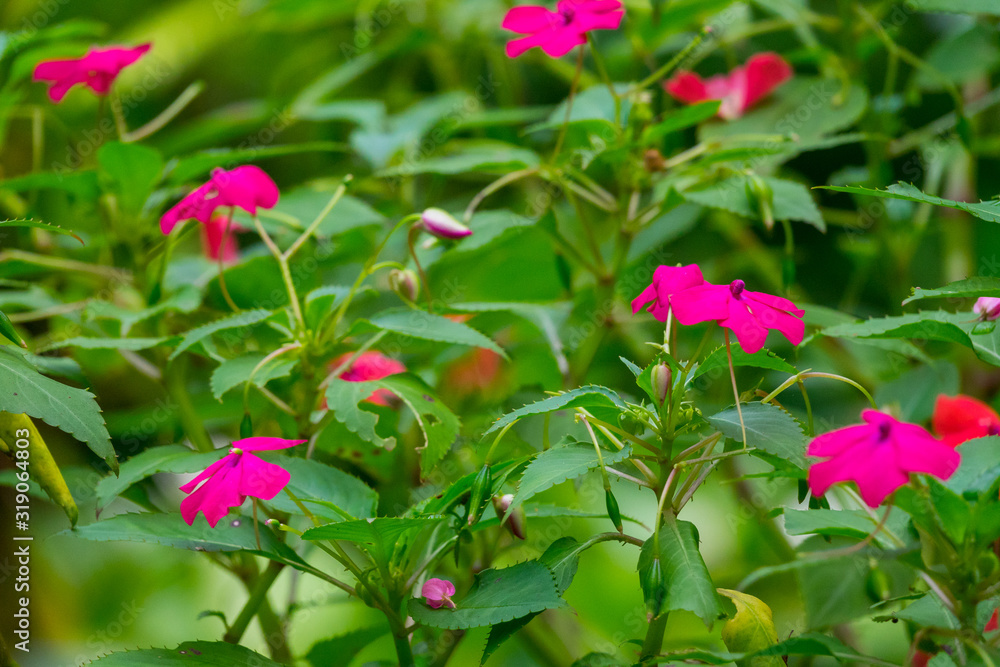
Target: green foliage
x=562, y=462
x=685, y=583
x=187, y=654
x=768, y=428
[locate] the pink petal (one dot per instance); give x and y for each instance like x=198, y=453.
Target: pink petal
x=837, y=442
x=750, y=333
x=215, y=497
x=562, y=42
x=823, y=475
x=590, y=20
x=648, y=295
x=701, y=304
x=879, y=475
x=529, y=19
x=55, y=70
x=228, y=461
x=259, y=443
x=261, y=479
x=764, y=73
x=687, y=87
x=246, y=187
x=791, y=327
x=920, y=453
x=775, y=302
x=218, y=244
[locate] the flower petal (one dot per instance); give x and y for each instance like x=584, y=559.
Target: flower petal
x=261, y=479
x=764, y=73
x=259, y=443
x=529, y=19
x=701, y=304
x=750, y=333
x=687, y=87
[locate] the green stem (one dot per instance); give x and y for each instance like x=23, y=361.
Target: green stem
x=569, y=103
x=411, y=237
x=258, y=595
x=736, y=391
x=653, y=642
x=675, y=61
x=403, y=651
x=603, y=72
x=176, y=374
x=286, y=274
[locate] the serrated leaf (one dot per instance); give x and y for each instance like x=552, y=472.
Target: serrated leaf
x=188, y=654
x=246, y=318
x=488, y=157
x=970, y=287
x=844, y=523
x=768, y=428
x=130, y=171
x=235, y=372
x=184, y=300
x=23, y=390
x=763, y=359
x=496, y=596
x=167, y=458
x=345, y=400
x=750, y=630
x=426, y=326
x=980, y=467
x=985, y=210
x=379, y=537
x=792, y=201
x=588, y=396
x=130, y=344
x=679, y=119
x=965, y=7
x=183, y=169
x=340, y=651
x=560, y=463
x=439, y=424
x=686, y=582
x=37, y=224
x=326, y=491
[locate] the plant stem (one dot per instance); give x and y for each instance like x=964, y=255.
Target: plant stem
x=286, y=274
x=736, y=392
x=258, y=594
x=569, y=102
x=176, y=374
x=675, y=61
x=403, y=651
x=653, y=642
x=410, y=238
x=311, y=229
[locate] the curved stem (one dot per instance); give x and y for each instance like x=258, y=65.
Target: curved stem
x=258, y=595
x=675, y=61
x=736, y=392
x=286, y=274
x=410, y=238
x=222, y=262
x=569, y=102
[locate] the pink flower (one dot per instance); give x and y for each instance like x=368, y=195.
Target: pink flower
x=963, y=418
x=750, y=315
x=442, y=225
x=438, y=592
x=987, y=307
x=370, y=366
x=557, y=32
x=227, y=482
x=739, y=90
x=97, y=70
x=246, y=187
x=879, y=456
x=216, y=243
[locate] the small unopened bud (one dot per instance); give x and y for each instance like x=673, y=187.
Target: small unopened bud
x=516, y=522
x=661, y=379
x=653, y=160
x=9, y=332
x=613, y=512
x=405, y=283
x=443, y=225
x=988, y=308
x=761, y=197
x=482, y=491
x=273, y=523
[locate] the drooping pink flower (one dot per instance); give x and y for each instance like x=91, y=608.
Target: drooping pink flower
x=97, y=70
x=216, y=243
x=739, y=90
x=438, y=592
x=369, y=366
x=988, y=307
x=667, y=281
x=246, y=187
x=443, y=225
x=230, y=480
x=963, y=418
x=879, y=456
x=557, y=32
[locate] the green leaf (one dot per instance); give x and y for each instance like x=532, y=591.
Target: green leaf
x=750, y=630
x=426, y=326
x=23, y=390
x=490, y=226
x=792, y=201
x=915, y=391
x=189, y=167
x=953, y=514
x=81, y=184
x=379, y=537
x=686, y=582
x=845, y=523
x=231, y=534
x=130, y=344
x=235, y=372
x=37, y=224
x=496, y=596
x=378, y=145
x=562, y=462
x=593, y=105
x=130, y=172
x=167, y=458
x=814, y=643
x=589, y=396
x=766, y=359
x=439, y=424
x=679, y=119
x=970, y=287
x=340, y=651
x=323, y=489
x=491, y=157
x=241, y=320
x=768, y=427
x=184, y=300
x=345, y=400
x=965, y=7
x=980, y=467
x=188, y=654
x=985, y=210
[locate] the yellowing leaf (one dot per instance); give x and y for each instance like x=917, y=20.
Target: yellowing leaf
x=750, y=630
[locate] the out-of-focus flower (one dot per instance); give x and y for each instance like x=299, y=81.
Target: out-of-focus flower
x=963, y=418
x=230, y=480
x=739, y=90
x=443, y=225
x=405, y=283
x=216, y=243
x=988, y=307
x=246, y=187
x=516, y=522
x=557, y=32
x=438, y=592
x=368, y=366
x=475, y=372
x=97, y=70
x=879, y=456
x=993, y=624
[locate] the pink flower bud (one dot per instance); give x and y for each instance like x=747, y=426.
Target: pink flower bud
x=661, y=380
x=443, y=225
x=405, y=283
x=988, y=307
x=516, y=522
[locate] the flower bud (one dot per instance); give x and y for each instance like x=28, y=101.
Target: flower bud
x=613, y=512
x=988, y=308
x=405, y=283
x=516, y=522
x=761, y=198
x=482, y=490
x=8, y=331
x=661, y=379
x=653, y=161
x=443, y=225
x=653, y=587
x=630, y=423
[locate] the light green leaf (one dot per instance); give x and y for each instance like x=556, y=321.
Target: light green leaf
x=483, y=157
x=130, y=344
x=985, y=210
x=184, y=300
x=345, y=401
x=490, y=226
x=340, y=651
x=589, y=396
x=496, y=596
x=23, y=390
x=379, y=537
x=235, y=372
x=970, y=287
x=168, y=458
x=130, y=172
x=244, y=319
x=188, y=654
x=845, y=523
x=37, y=224
x=189, y=167
x=686, y=582
x=323, y=489
x=439, y=424
x=679, y=119
x=792, y=201
x=562, y=462
x=991, y=7
x=419, y=324
x=980, y=467
x=766, y=359
x=768, y=427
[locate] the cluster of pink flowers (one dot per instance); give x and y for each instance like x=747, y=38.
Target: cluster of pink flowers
x=683, y=291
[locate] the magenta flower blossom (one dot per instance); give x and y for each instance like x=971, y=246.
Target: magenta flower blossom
x=443, y=225
x=739, y=90
x=750, y=315
x=227, y=482
x=246, y=187
x=438, y=592
x=557, y=32
x=97, y=70
x=216, y=243
x=988, y=307
x=879, y=456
